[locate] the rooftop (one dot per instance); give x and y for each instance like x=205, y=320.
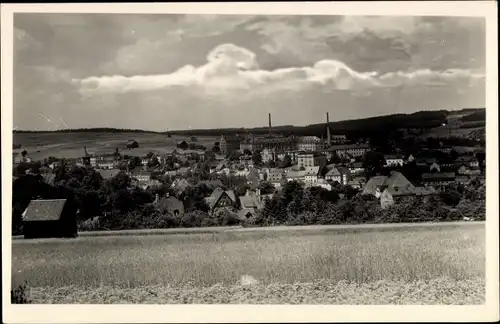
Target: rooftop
x=44, y=210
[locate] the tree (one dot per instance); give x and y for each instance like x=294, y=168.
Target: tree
x=216, y=149
x=373, y=163
x=247, y=152
x=233, y=155
x=134, y=162
x=257, y=158
x=287, y=161
x=150, y=155
x=270, y=164
x=153, y=162
x=266, y=187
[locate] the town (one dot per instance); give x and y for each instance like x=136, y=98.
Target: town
x=252, y=180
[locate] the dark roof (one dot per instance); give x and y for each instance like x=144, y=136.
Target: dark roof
x=396, y=179
x=249, y=201
x=108, y=174
x=355, y=165
x=180, y=184
x=393, y=156
x=44, y=210
x=348, y=147
x=217, y=194
x=438, y=176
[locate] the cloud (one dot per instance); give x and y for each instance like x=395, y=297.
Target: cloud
x=230, y=67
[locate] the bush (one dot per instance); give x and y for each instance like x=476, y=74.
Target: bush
x=20, y=295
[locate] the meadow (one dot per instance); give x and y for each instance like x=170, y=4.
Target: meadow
x=399, y=265
x=71, y=144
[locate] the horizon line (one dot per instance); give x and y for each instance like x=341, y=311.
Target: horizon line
x=229, y=128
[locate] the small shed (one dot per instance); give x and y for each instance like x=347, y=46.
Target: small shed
x=131, y=144
x=50, y=218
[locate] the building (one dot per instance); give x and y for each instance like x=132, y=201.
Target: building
x=322, y=183
x=311, y=175
x=438, y=180
x=108, y=174
x=131, y=144
x=309, y=159
x=391, y=195
x=275, y=175
x=220, y=199
x=268, y=154
x=338, y=139
x=24, y=158
x=180, y=185
x=467, y=160
x=309, y=143
x=425, y=162
x=348, y=150
x=299, y=176
x=103, y=162
x=229, y=144
x=246, y=161
x=469, y=171
x=249, y=143
x=393, y=160
x=356, y=168
x=277, y=143
x=376, y=185
x=338, y=174
x=434, y=167
x=250, y=204
x=357, y=182
x=50, y=218
x=142, y=176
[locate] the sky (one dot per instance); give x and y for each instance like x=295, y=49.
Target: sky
x=169, y=72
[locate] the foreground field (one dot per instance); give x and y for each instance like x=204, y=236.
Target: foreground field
x=423, y=265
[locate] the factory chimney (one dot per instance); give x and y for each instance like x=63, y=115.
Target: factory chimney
x=270, y=127
x=328, y=135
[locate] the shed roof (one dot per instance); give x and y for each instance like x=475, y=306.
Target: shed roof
x=44, y=210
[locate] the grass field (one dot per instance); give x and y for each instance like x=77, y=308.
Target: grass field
x=70, y=145
x=426, y=265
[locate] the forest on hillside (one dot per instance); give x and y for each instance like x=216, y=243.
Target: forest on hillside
x=354, y=127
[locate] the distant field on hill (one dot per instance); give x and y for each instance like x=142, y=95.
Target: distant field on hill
x=70, y=145
x=443, y=132
x=427, y=265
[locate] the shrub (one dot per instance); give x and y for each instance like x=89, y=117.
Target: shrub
x=20, y=295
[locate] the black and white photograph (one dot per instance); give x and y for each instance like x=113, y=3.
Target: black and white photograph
x=249, y=158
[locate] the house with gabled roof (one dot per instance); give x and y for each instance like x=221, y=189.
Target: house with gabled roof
x=376, y=185
x=50, y=218
x=221, y=199
x=180, y=185
x=339, y=174
x=250, y=204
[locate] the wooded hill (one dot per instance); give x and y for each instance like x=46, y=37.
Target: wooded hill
x=387, y=123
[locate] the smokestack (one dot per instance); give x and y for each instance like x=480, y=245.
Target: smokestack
x=270, y=127
x=328, y=136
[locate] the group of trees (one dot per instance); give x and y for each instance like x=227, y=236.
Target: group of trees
x=297, y=205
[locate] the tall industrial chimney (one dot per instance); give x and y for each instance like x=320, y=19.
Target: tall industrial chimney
x=270, y=127
x=328, y=136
